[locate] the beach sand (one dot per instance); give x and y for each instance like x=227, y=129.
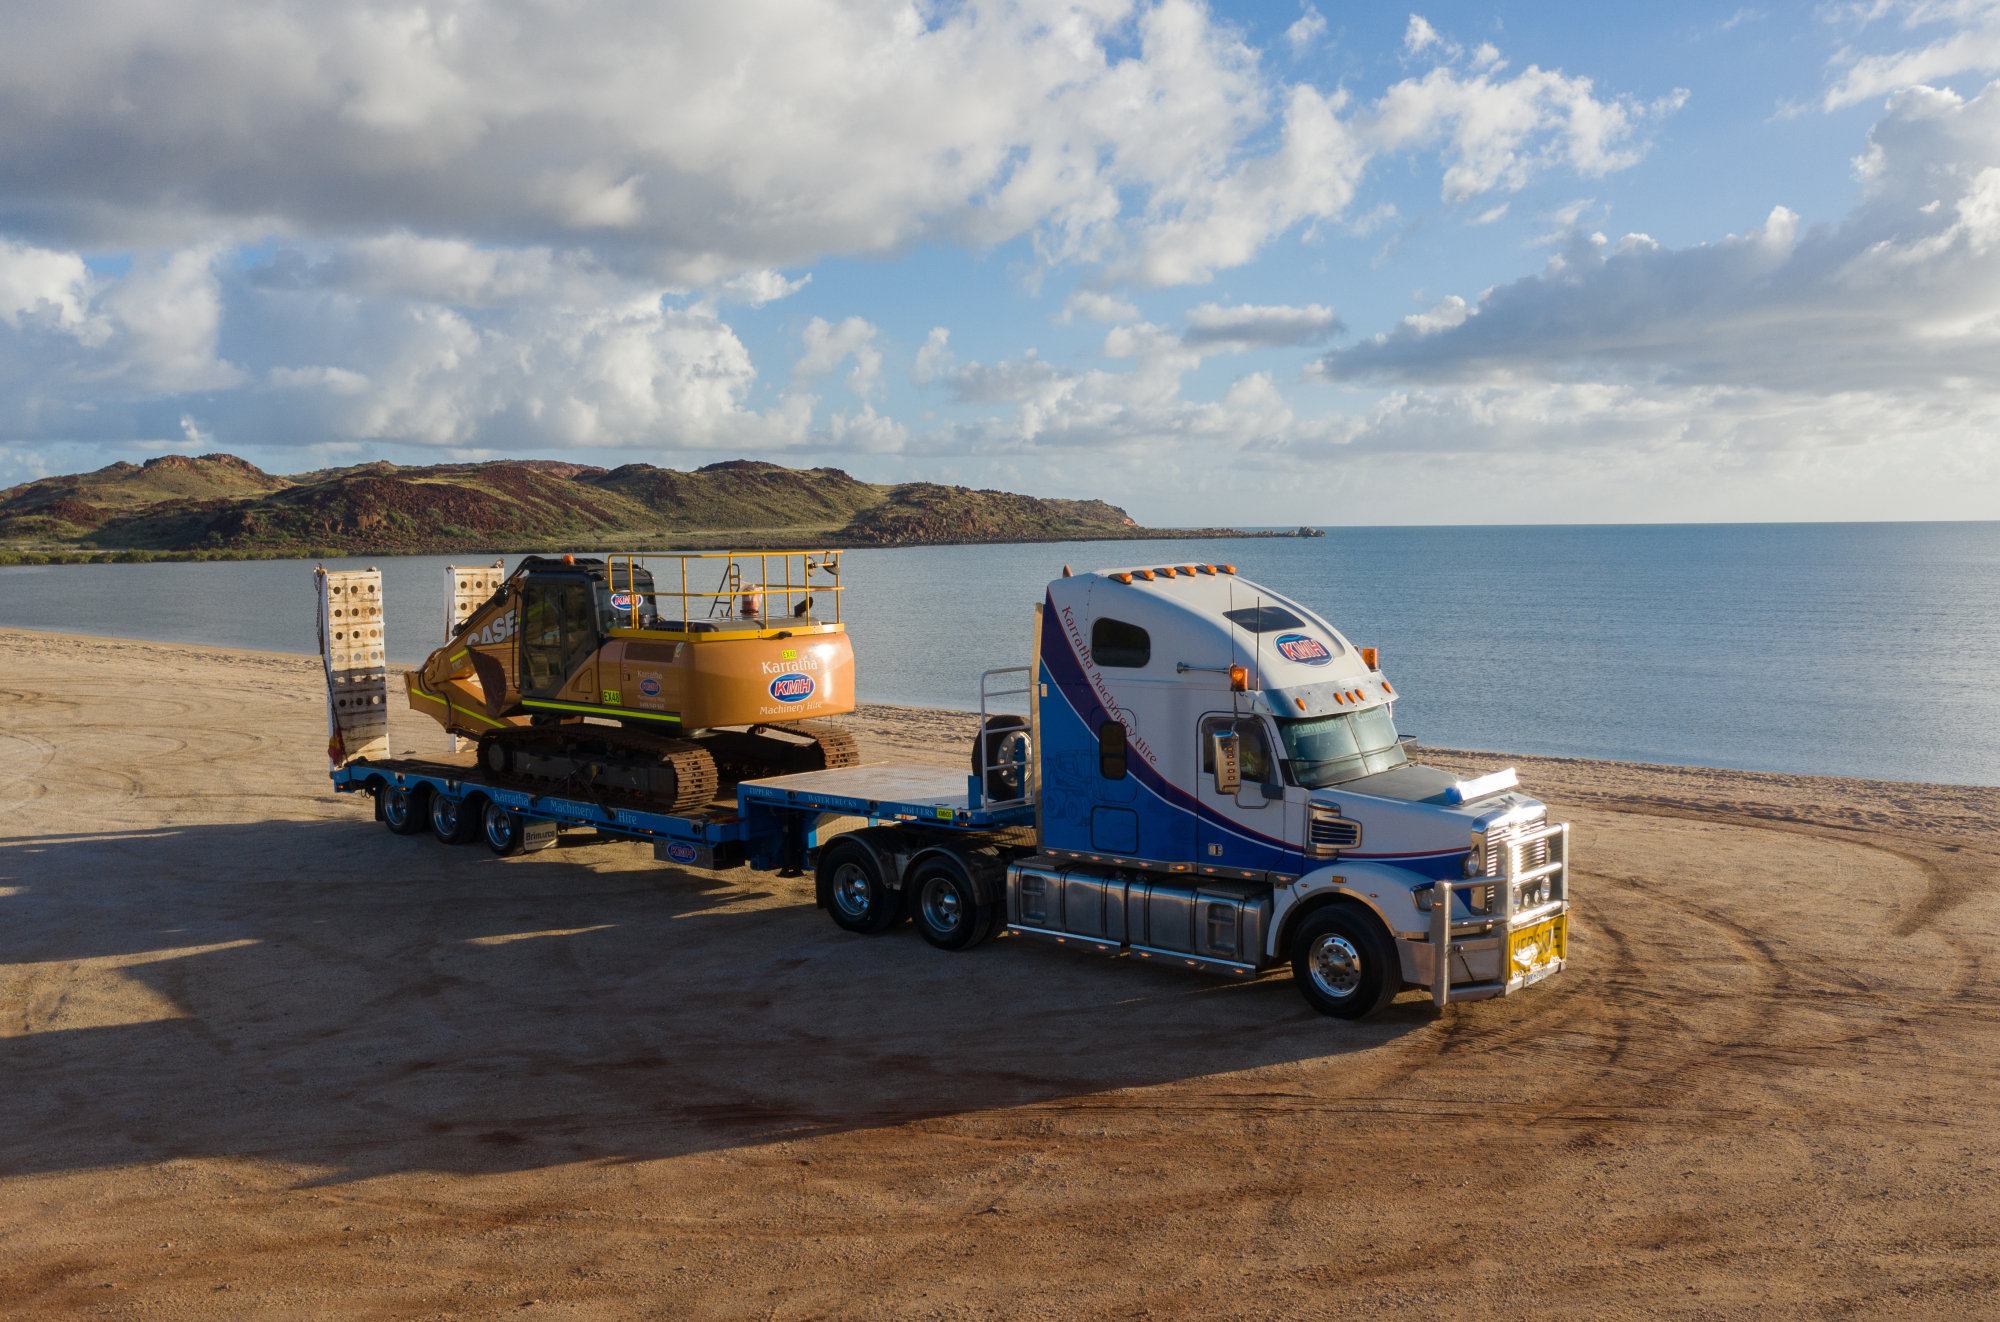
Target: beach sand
x=260, y=1058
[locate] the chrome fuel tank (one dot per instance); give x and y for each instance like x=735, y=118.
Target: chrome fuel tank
x=1212, y=925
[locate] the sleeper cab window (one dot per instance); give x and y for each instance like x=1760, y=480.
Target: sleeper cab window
x=1111, y=751
x=1116, y=643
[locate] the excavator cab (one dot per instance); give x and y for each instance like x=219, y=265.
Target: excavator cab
x=648, y=682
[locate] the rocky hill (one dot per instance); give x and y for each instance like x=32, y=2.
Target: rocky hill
x=217, y=504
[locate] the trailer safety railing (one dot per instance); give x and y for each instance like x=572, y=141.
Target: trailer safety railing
x=1507, y=910
x=781, y=576
x=978, y=798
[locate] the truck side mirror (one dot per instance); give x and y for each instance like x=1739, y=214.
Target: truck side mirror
x=1228, y=762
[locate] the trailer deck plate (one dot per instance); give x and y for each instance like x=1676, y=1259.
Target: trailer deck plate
x=883, y=790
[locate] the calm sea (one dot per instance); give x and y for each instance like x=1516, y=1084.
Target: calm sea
x=1837, y=649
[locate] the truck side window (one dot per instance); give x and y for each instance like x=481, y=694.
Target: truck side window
x=1116, y=643
x=1111, y=751
x=1253, y=748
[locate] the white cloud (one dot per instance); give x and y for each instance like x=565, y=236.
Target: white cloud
x=1972, y=45
x=1491, y=214
x=1303, y=35
x=1094, y=306
x=1213, y=328
x=828, y=345
x=933, y=358
x=1420, y=36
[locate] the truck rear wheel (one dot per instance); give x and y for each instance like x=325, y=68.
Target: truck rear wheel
x=501, y=828
x=945, y=904
x=1344, y=965
x=453, y=821
x=858, y=898
x=404, y=810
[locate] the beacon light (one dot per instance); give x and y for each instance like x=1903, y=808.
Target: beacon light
x=1368, y=658
x=1239, y=679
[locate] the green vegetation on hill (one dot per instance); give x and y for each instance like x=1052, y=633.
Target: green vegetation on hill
x=218, y=505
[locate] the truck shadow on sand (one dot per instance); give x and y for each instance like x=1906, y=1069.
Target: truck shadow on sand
x=326, y=994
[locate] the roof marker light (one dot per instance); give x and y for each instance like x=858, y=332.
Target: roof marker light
x=1188, y=570
x=1227, y=569
x=1165, y=572
x=1301, y=702
x=1146, y=574
x=1206, y=569
x=1386, y=689
x=1066, y=573
x=1121, y=578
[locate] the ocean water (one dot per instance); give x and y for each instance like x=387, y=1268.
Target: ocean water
x=1833, y=649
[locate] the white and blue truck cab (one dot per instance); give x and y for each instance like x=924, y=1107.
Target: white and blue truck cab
x=1219, y=784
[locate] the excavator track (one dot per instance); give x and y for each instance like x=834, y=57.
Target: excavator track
x=672, y=775
x=779, y=750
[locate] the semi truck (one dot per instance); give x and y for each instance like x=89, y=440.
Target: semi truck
x=1208, y=776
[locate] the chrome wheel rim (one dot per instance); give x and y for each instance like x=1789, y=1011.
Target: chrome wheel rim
x=396, y=807
x=499, y=831
x=444, y=816
x=1335, y=966
x=941, y=907
x=851, y=890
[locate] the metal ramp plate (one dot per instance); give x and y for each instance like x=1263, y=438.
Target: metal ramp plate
x=935, y=794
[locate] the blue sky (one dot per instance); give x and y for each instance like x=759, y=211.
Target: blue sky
x=1255, y=263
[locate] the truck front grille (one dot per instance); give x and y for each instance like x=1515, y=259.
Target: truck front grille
x=1486, y=859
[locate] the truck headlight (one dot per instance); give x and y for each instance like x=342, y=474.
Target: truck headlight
x=1424, y=898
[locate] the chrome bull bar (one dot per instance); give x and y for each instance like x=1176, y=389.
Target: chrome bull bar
x=1499, y=932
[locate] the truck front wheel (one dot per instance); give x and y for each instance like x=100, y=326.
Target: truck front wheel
x=857, y=897
x=1344, y=965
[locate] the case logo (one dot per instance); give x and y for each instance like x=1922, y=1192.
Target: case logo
x=650, y=687
x=792, y=688
x=1304, y=650
x=680, y=853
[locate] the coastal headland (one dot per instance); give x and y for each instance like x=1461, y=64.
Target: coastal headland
x=216, y=506
x=264, y=1059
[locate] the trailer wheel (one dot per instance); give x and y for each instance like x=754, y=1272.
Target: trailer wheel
x=1344, y=965
x=858, y=899
x=943, y=901
x=453, y=821
x=404, y=810
x=501, y=828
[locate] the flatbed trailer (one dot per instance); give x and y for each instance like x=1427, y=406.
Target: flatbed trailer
x=777, y=822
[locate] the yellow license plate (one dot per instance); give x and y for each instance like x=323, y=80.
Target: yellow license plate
x=1539, y=946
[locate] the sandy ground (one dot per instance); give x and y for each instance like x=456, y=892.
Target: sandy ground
x=262, y=1059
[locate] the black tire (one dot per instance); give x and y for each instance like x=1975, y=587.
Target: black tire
x=858, y=898
x=1003, y=774
x=943, y=902
x=501, y=828
x=454, y=821
x=406, y=811
x=1344, y=964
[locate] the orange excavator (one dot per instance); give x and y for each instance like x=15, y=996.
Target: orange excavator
x=595, y=674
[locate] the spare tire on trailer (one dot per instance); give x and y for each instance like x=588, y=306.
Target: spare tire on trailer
x=1007, y=756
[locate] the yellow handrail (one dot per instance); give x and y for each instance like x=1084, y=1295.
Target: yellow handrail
x=732, y=588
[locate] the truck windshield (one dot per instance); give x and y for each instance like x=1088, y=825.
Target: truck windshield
x=1325, y=750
